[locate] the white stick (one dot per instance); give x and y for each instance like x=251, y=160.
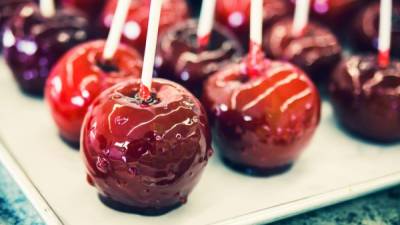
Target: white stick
x=151, y=43
x=385, y=26
x=117, y=26
x=206, y=20
x=256, y=21
x=301, y=16
x=47, y=8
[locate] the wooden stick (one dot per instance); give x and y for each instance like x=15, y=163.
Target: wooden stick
x=206, y=22
x=47, y=8
x=256, y=22
x=118, y=22
x=385, y=33
x=301, y=16
x=150, y=50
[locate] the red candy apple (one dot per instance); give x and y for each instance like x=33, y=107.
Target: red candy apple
x=135, y=29
x=145, y=156
x=264, y=112
x=80, y=76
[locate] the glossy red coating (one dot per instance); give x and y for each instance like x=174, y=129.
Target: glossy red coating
x=366, y=97
x=33, y=43
x=135, y=30
x=181, y=58
x=146, y=156
x=262, y=123
x=235, y=14
x=92, y=8
x=317, y=51
x=80, y=76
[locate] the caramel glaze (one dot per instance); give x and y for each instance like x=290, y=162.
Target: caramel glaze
x=366, y=98
x=147, y=157
x=33, y=43
x=183, y=60
x=365, y=30
x=262, y=123
x=316, y=51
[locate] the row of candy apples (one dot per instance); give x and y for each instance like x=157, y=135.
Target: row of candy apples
x=264, y=112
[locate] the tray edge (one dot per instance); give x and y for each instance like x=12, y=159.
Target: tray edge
x=318, y=201
x=267, y=215
x=30, y=191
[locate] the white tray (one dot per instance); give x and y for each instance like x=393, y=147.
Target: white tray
x=334, y=168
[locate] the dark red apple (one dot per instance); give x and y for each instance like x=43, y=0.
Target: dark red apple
x=33, y=43
x=366, y=97
x=235, y=14
x=181, y=57
x=317, y=51
x=264, y=117
x=79, y=77
x=145, y=156
x=135, y=29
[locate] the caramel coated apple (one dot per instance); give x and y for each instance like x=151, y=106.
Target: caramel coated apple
x=181, y=57
x=262, y=121
x=317, y=50
x=366, y=97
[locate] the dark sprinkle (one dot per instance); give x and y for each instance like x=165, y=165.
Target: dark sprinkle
x=153, y=100
x=107, y=66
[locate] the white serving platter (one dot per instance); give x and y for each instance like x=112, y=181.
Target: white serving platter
x=335, y=167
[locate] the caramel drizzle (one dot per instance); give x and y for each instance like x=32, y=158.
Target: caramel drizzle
x=356, y=65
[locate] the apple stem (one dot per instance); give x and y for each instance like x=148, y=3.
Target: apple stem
x=385, y=32
x=301, y=16
x=206, y=22
x=254, y=63
x=114, y=36
x=47, y=8
x=150, y=49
